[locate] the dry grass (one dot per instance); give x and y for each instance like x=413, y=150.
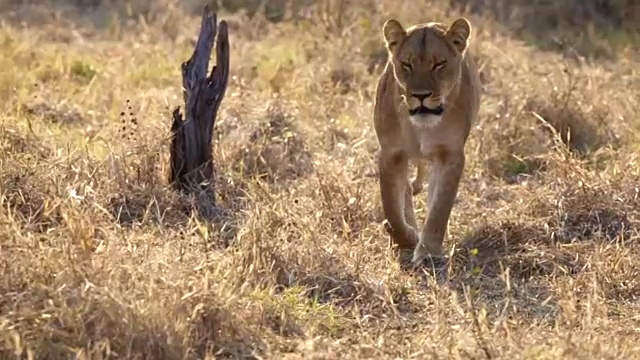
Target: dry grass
x=99, y=259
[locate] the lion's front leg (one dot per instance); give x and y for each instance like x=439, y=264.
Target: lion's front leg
x=394, y=191
x=443, y=188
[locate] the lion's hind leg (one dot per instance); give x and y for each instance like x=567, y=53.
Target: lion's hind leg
x=421, y=175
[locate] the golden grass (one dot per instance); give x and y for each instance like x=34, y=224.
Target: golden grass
x=99, y=259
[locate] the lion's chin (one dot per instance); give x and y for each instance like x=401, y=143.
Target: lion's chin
x=425, y=120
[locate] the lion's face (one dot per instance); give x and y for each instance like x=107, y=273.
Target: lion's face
x=426, y=62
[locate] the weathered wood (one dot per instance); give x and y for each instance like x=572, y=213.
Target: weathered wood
x=191, y=161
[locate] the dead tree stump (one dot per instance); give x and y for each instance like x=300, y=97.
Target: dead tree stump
x=191, y=161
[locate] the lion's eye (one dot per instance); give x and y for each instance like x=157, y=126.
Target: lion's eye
x=406, y=65
x=440, y=65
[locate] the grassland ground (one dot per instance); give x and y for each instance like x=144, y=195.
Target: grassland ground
x=100, y=259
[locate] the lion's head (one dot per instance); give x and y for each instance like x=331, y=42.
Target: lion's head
x=426, y=61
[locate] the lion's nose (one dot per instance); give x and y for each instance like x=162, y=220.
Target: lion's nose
x=422, y=96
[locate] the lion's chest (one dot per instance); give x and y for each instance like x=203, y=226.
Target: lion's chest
x=429, y=141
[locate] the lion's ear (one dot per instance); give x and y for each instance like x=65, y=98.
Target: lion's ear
x=458, y=33
x=393, y=33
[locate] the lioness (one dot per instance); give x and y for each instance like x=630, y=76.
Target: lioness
x=427, y=97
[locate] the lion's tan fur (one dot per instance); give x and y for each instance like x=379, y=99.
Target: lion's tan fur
x=414, y=70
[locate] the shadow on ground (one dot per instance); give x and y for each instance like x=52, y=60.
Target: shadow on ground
x=514, y=260
x=106, y=326
x=590, y=28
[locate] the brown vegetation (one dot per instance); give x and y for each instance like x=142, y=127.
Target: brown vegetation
x=100, y=258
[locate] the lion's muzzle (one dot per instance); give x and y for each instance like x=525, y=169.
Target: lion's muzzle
x=423, y=110
x=424, y=104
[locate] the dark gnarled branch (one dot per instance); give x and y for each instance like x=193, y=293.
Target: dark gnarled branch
x=191, y=162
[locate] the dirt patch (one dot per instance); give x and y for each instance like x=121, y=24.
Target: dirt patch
x=272, y=149
x=527, y=250
x=588, y=212
x=37, y=205
x=56, y=114
x=15, y=142
x=582, y=129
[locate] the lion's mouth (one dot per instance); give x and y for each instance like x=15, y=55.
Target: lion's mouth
x=423, y=110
